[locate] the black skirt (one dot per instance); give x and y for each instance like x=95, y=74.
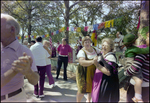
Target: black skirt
x=109, y=89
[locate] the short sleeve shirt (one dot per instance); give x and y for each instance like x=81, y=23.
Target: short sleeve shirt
x=8, y=54
x=39, y=54
x=48, y=61
x=89, y=55
x=110, y=57
x=64, y=49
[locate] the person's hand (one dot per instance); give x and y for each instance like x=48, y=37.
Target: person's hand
x=45, y=47
x=99, y=58
x=95, y=60
x=23, y=64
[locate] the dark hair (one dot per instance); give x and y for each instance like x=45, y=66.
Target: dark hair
x=33, y=41
x=65, y=39
x=39, y=39
x=120, y=32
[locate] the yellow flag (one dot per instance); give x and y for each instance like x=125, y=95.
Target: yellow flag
x=46, y=35
x=62, y=29
x=107, y=23
x=94, y=38
x=78, y=29
x=112, y=23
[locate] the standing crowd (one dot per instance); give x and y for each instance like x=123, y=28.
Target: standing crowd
x=96, y=74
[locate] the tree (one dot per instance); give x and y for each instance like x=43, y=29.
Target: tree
x=144, y=19
x=68, y=12
x=33, y=16
x=87, y=15
x=129, y=16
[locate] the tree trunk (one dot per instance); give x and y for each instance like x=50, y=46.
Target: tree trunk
x=29, y=34
x=22, y=38
x=67, y=20
x=144, y=15
x=144, y=19
x=29, y=27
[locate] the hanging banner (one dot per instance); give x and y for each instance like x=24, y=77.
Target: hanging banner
x=60, y=30
x=95, y=26
x=94, y=38
x=78, y=29
x=63, y=28
x=54, y=33
x=43, y=36
x=90, y=28
x=75, y=28
x=72, y=28
x=112, y=23
x=107, y=24
x=101, y=25
x=86, y=28
x=57, y=31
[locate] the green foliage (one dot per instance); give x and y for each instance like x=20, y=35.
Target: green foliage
x=143, y=31
x=40, y=17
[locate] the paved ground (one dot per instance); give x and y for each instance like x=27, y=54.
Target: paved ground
x=64, y=91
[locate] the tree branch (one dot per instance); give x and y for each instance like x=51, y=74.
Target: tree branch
x=77, y=3
x=11, y=11
x=76, y=10
x=60, y=8
x=74, y=4
x=21, y=6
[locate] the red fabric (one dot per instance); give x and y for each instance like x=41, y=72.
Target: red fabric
x=50, y=40
x=64, y=49
x=138, y=23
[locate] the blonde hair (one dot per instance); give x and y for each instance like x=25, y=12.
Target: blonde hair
x=45, y=41
x=25, y=42
x=85, y=39
x=11, y=21
x=110, y=42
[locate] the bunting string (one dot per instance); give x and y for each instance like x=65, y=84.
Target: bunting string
x=106, y=24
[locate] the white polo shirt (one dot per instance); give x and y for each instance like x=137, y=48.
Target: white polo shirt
x=39, y=54
x=48, y=60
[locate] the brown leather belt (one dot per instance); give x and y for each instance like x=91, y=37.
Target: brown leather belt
x=11, y=94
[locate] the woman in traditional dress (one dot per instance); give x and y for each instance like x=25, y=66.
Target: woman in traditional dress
x=106, y=83
x=86, y=69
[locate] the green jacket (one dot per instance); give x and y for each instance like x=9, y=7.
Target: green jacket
x=133, y=51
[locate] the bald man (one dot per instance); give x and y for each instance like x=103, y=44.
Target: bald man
x=16, y=62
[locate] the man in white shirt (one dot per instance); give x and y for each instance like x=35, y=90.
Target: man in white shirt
x=39, y=54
